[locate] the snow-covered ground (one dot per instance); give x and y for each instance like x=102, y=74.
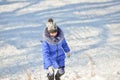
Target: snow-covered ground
x=91, y=28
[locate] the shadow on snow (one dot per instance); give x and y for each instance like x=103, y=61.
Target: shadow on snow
x=62, y=15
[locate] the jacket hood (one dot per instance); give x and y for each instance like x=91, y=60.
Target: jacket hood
x=54, y=40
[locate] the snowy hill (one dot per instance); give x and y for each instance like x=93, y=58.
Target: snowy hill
x=91, y=28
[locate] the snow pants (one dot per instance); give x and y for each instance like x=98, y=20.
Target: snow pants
x=56, y=75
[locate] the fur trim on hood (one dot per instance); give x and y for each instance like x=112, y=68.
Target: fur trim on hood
x=54, y=40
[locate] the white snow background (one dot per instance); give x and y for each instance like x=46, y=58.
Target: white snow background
x=91, y=28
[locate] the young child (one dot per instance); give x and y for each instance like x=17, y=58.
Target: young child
x=54, y=47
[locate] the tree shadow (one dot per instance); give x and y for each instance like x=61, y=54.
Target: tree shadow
x=65, y=18
x=6, y=2
x=18, y=67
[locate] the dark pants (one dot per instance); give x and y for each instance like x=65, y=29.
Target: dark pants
x=58, y=74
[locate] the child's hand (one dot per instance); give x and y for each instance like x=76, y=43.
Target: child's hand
x=68, y=55
x=50, y=69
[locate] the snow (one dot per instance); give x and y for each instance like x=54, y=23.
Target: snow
x=91, y=28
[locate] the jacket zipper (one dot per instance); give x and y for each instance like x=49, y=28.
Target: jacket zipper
x=57, y=52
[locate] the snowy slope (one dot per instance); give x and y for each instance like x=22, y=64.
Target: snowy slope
x=91, y=28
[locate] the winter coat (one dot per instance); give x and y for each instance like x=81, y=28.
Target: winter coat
x=53, y=49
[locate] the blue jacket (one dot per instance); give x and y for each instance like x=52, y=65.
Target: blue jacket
x=53, y=50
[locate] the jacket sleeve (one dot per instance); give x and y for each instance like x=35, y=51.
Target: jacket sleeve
x=45, y=53
x=65, y=46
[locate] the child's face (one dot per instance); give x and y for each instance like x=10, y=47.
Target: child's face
x=53, y=34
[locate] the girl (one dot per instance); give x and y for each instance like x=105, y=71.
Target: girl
x=54, y=47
